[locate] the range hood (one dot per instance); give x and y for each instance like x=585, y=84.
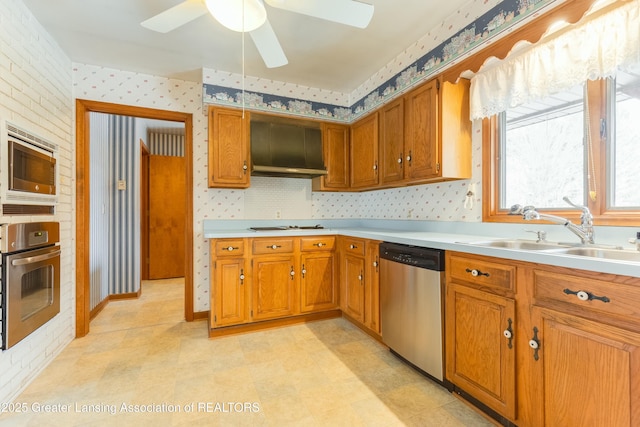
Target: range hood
x=286, y=147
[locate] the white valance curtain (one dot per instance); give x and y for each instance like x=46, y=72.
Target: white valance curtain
x=594, y=49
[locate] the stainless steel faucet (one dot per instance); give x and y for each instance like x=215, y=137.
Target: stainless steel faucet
x=584, y=231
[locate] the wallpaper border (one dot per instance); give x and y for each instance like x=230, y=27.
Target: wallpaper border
x=492, y=23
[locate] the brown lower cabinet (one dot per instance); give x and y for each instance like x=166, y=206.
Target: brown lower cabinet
x=271, y=278
x=262, y=280
x=359, y=281
x=542, y=345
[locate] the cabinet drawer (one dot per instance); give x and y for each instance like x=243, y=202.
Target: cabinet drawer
x=592, y=296
x=272, y=246
x=319, y=243
x=229, y=247
x=481, y=273
x=353, y=246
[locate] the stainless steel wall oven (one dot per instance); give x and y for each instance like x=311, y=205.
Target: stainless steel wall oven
x=30, y=278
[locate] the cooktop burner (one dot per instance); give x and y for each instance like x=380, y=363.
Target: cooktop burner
x=288, y=227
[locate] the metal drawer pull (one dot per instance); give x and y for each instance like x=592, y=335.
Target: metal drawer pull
x=476, y=273
x=585, y=296
x=534, y=343
x=274, y=247
x=319, y=244
x=508, y=333
x=353, y=247
x=230, y=248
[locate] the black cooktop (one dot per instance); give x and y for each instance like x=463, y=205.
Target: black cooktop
x=288, y=227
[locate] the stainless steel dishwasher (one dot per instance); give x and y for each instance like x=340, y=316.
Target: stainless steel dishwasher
x=411, y=304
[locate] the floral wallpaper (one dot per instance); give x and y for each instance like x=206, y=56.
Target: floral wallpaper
x=490, y=24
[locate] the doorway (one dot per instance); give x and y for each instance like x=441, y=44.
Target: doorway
x=83, y=125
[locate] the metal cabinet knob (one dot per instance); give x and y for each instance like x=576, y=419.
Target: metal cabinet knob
x=353, y=247
x=319, y=244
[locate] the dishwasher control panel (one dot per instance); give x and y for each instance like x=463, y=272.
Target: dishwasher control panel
x=432, y=259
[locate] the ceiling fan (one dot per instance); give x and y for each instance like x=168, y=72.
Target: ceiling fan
x=250, y=16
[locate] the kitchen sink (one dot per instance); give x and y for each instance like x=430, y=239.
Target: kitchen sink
x=610, y=254
x=521, y=244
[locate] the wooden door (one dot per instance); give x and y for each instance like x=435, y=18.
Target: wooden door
x=317, y=281
x=229, y=154
x=144, y=211
x=590, y=372
x=230, y=292
x=274, y=287
x=392, y=142
x=166, y=217
x=364, y=152
x=353, y=284
x=421, y=132
x=479, y=358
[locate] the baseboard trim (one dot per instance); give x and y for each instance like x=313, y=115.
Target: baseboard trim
x=98, y=308
x=201, y=315
x=129, y=295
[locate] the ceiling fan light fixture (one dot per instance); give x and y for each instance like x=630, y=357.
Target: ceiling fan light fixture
x=230, y=12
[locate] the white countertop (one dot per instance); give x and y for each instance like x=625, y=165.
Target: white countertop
x=445, y=241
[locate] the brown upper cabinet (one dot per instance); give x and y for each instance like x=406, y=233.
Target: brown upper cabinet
x=421, y=137
x=229, y=149
x=364, y=152
x=392, y=145
x=426, y=135
x=335, y=147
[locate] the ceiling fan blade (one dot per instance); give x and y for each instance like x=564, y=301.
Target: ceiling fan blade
x=176, y=16
x=268, y=45
x=348, y=12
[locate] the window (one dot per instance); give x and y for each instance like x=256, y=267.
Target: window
x=624, y=150
x=583, y=143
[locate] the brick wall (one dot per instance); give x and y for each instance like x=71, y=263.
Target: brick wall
x=35, y=94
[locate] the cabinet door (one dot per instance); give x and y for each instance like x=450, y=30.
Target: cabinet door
x=392, y=142
x=480, y=359
x=317, y=281
x=421, y=132
x=229, y=155
x=372, y=287
x=274, y=285
x=229, y=292
x=590, y=372
x=335, y=140
x=364, y=152
x=353, y=271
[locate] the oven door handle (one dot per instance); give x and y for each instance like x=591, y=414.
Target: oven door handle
x=34, y=259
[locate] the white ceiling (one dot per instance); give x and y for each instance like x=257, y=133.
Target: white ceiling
x=321, y=54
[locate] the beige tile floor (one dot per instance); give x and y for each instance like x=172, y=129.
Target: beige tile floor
x=141, y=352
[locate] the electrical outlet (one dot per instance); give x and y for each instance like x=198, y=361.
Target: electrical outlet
x=278, y=214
